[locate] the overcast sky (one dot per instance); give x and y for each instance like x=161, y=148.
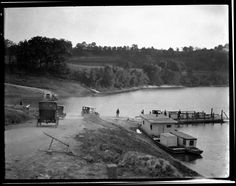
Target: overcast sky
x=158, y=26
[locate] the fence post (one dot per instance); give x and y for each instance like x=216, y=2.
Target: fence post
x=112, y=171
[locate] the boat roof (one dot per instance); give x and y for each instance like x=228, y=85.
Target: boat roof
x=167, y=134
x=158, y=119
x=182, y=135
x=88, y=107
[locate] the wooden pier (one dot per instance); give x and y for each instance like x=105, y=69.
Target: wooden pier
x=189, y=117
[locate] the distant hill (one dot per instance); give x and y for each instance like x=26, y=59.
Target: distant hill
x=105, y=67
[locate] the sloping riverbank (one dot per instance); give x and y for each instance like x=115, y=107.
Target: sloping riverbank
x=95, y=143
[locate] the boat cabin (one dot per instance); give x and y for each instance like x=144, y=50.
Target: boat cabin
x=184, y=140
x=168, y=139
x=155, y=124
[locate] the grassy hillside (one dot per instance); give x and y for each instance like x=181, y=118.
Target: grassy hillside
x=16, y=113
x=62, y=87
x=196, y=68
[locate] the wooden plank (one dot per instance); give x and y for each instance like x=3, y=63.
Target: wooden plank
x=56, y=139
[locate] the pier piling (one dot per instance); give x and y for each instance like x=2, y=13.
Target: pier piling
x=112, y=171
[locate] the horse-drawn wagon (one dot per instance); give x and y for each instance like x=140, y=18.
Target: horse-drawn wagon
x=48, y=113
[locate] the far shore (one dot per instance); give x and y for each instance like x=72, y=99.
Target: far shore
x=132, y=89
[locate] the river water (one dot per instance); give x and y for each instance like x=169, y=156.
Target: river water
x=213, y=139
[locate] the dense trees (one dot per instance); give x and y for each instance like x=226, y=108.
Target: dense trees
x=124, y=66
x=110, y=77
x=40, y=54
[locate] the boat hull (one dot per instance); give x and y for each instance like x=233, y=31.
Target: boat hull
x=174, y=150
x=194, y=151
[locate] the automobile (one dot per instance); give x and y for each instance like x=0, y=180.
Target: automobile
x=60, y=111
x=88, y=110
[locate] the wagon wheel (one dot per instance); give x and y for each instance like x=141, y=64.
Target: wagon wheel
x=57, y=121
x=38, y=123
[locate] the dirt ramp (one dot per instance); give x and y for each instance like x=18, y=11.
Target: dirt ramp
x=99, y=121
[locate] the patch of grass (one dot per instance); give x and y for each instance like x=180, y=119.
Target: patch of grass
x=111, y=145
x=76, y=67
x=15, y=116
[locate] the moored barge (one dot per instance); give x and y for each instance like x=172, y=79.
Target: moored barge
x=162, y=130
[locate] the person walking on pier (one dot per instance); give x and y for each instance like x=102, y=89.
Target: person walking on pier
x=117, y=112
x=179, y=114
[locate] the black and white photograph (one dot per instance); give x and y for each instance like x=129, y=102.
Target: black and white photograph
x=118, y=92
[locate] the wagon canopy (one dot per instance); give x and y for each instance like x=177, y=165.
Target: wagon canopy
x=47, y=105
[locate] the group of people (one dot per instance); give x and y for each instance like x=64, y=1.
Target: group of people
x=142, y=112
x=154, y=112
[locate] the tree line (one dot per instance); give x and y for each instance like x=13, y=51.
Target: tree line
x=38, y=54
x=137, y=66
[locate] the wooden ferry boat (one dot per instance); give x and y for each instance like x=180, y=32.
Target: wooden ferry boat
x=189, y=117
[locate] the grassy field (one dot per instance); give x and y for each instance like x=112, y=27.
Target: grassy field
x=95, y=61
x=76, y=67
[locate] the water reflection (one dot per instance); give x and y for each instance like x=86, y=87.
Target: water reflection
x=187, y=157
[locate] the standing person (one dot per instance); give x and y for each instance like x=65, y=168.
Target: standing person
x=117, y=112
x=142, y=112
x=179, y=114
x=165, y=112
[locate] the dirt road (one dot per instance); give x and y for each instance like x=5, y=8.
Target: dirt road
x=22, y=143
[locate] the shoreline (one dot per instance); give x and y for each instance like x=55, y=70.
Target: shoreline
x=145, y=87
x=132, y=89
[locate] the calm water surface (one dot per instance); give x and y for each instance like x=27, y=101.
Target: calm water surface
x=212, y=139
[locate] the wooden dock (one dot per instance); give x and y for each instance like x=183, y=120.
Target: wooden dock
x=190, y=117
